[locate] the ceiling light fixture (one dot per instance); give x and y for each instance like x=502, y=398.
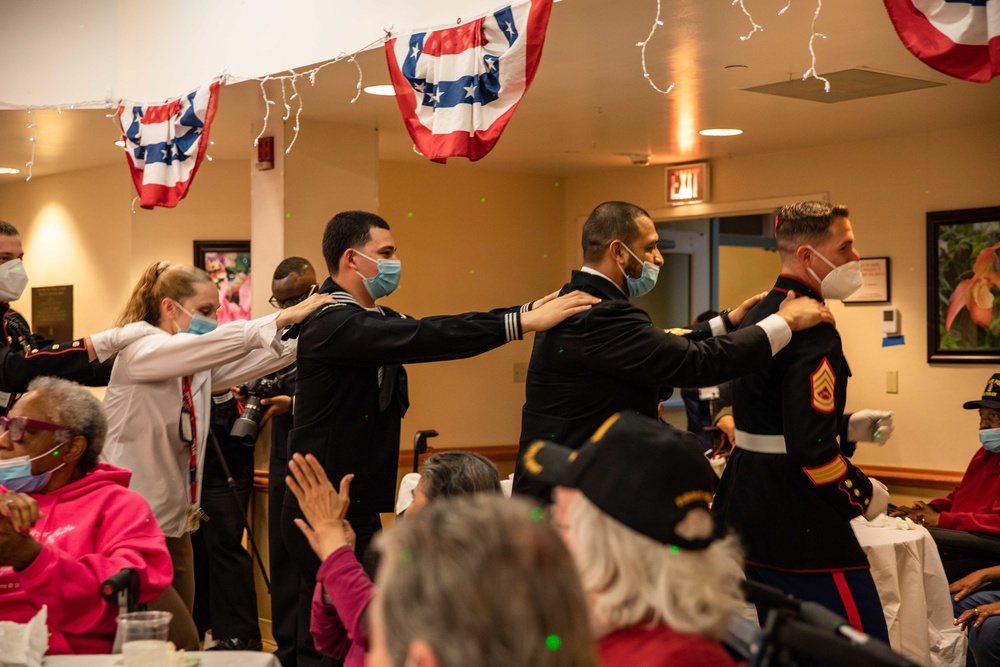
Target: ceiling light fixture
x=720, y=132
x=385, y=89
x=8, y=170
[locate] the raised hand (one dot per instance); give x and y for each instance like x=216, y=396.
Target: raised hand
x=323, y=506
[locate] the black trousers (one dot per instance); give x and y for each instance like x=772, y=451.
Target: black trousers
x=289, y=632
x=225, y=596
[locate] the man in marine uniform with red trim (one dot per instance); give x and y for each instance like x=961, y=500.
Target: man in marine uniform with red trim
x=789, y=489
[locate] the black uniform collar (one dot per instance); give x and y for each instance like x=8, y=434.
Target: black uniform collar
x=338, y=292
x=598, y=286
x=787, y=283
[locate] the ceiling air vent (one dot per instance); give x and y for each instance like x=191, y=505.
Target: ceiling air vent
x=848, y=84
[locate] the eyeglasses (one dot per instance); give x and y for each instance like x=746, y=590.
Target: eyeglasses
x=291, y=301
x=16, y=427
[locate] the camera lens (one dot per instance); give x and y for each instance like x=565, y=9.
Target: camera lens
x=247, y=427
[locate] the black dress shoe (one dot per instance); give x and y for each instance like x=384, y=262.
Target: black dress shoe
x=233, y=644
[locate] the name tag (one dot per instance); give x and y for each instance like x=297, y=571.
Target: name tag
x=708, y=393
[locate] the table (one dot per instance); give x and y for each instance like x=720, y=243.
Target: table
x=913, y=590
x=208, y=659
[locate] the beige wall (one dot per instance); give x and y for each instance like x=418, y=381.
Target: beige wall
x=461, y=253
x=889, y=186
x=745, y=271
x=78, y=229
x=331, y=168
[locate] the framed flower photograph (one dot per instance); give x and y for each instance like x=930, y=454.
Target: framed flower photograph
x=963, y=283
x=228, y=263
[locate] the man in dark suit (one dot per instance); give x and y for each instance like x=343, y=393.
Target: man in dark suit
x=351, y=388
x=612, y=358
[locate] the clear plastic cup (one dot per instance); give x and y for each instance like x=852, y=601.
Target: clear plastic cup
x=142, y=626
x=144, y=653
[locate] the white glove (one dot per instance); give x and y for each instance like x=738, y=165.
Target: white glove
x=870, y=426
x=107, y=343
x=880, y=499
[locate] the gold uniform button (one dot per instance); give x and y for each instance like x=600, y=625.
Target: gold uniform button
x=849, y=484
x=867, y=501
x=76, y=343
x=857, y=492
x=35, y=351
x=55, y=347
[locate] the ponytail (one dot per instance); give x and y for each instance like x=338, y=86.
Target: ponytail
x=160, y=280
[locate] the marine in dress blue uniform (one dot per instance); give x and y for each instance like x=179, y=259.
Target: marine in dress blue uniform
x=790, y=489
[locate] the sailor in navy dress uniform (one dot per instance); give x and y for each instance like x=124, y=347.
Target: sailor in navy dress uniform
x=789, y=489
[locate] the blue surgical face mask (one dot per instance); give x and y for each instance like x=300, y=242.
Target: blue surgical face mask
x=646, y=281
x=386, y=280
x=199, y=323
x=15, y=474
x=990, y=437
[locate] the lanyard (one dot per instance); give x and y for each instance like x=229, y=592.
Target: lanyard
x=189, y=408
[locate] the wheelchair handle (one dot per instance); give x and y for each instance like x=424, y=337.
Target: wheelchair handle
x=420, y=445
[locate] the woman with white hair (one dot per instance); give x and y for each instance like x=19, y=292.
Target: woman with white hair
x=632, y=505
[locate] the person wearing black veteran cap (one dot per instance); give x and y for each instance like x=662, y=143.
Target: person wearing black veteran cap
x=974, y=504
x=632, y=505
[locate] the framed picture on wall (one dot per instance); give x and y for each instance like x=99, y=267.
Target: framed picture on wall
x=875, y=272
x=228, y=263
x=963, y=281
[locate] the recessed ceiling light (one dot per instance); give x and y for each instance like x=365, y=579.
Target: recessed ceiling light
x=720, y=132
x=120, y=143
x=382, y=89
x=9, y=170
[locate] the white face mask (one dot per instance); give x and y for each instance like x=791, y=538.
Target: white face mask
x=842, y=281
x=13, y=280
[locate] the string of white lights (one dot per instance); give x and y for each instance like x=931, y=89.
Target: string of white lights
x=756, y=26
x=295, y=95
x=785, y=8
x=645, y=72
x=811, y=72
x=292, y=78
x=33, y=126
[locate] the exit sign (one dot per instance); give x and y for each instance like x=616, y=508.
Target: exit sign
x=687, y=183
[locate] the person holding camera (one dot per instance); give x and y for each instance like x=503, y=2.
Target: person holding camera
x=294, y=281
x=225, y=598
x=159, y=399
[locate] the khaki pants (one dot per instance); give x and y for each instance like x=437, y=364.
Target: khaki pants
x=178, y=599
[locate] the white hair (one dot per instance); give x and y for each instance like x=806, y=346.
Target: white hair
x=632, y=579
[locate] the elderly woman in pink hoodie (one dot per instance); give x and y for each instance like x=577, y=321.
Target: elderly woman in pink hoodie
x=68, y=522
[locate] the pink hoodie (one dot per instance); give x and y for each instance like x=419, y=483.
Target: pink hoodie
x=89, y=530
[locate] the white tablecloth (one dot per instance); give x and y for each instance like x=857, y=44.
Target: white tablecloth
x=207, y=658
x=914, y=592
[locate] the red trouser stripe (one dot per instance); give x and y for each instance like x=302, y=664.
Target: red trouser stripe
x=853, y=617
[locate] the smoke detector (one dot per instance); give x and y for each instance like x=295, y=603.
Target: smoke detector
x=639, y=159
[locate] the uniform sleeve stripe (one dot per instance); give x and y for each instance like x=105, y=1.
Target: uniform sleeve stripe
x=828, y=472
x=512, y=325
x=526, y=307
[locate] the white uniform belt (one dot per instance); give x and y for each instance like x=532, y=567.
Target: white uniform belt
x=762, y=444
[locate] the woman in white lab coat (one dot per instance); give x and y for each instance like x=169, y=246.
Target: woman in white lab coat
x=159, y=399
